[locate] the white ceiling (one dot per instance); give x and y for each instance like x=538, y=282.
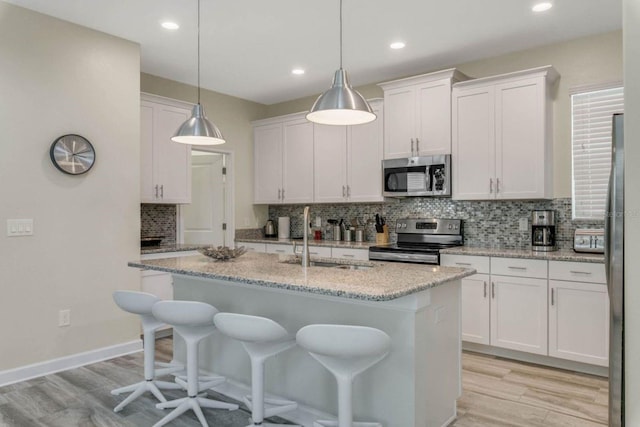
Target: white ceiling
x=248, y=47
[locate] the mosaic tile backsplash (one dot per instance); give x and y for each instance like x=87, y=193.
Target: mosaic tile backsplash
x=158, y=220
x=486, y=223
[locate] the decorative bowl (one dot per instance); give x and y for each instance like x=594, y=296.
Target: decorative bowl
x=222, y=253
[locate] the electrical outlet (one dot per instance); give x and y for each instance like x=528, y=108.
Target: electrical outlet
x=64, y=317
x=19, y=227
x=523, y=224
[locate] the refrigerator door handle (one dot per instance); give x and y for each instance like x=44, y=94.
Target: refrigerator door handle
x=608, y=231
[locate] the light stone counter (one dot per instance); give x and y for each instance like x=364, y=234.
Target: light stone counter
x=312, y=242
x=382, y=281
x=561, y=255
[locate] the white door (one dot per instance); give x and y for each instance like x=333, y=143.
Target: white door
x=399, y=122
x=473, y=146
x=475, y=308
x=433, y=116
x=297, y=161
x=520, y=139
x=519, y=313
x=364, y=159
x=267, y=158
x=203, y=219
x=147, y=193
x=579, y=322
x=330, y=163
x=172, y=161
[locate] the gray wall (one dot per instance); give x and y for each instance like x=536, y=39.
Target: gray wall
x=58, y=78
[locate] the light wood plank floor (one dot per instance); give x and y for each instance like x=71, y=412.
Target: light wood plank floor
x=496, y=392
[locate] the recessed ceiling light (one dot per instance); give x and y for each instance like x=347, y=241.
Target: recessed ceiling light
x=541, y=7
x=170, y=25
x=397, y=45
x=297, y=71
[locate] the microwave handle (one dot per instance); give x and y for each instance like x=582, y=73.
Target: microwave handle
x=428, y=177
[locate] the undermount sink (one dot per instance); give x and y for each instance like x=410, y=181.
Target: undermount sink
x=339, y=265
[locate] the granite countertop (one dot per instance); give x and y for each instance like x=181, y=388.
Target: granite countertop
x=176, y=247
x=312, y=242
x=561, y=255
x=381, y=282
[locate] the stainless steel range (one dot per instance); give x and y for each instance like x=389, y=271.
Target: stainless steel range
x=420, y=240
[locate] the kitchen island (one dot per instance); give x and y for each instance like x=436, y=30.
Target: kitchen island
x=417, y=384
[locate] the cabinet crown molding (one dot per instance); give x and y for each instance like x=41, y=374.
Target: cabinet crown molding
x=451, y=73
x=550, y=73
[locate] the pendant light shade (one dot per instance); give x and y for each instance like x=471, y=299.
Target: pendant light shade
x=198, y=130
x=341, y=104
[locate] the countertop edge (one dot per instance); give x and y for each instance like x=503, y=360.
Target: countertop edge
x=561, y=255
x=313, y=242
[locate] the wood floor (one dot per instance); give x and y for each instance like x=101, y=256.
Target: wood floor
x=496, y=392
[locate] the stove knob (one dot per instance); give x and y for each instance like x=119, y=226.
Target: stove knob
x=398, y=225
x=450, y=227
x=404, y=225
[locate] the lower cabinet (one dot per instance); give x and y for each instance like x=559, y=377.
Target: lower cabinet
x=519, y=313
x=560, y=310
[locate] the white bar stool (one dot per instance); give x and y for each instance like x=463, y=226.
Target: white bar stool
x=345, y=351
x=194, y=322
x=261, y=338
x=140, y=303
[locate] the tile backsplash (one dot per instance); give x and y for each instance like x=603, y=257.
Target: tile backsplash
x=486, y=223
x=158, y=220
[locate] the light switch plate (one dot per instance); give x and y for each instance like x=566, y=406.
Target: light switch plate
x=523, y=224
x=19, y=227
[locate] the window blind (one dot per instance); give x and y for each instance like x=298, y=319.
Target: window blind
x=591, y=149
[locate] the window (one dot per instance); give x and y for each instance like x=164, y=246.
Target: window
x=591, y=113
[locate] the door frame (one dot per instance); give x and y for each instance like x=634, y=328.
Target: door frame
x=229, y=211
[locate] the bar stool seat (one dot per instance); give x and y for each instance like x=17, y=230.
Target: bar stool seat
x=345, y=351
x=261, y=338
x=193, y=321
x=141, y=303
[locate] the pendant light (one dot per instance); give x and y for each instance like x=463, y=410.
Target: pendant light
x=198, y=130
x=341, y=104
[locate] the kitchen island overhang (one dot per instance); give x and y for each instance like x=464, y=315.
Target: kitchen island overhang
x=417, y=384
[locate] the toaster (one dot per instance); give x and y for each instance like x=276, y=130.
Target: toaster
x=589, y=240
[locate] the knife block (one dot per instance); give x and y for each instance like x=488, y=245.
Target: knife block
x=383, y=238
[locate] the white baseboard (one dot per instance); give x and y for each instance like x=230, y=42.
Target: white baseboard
x=28, y=372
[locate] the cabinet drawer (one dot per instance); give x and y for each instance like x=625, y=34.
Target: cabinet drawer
x=319, y=251
x=577, y=271
x=519, y=267
x=479, y=263
x=252, y=247
x=273, y=248
x=348, y=253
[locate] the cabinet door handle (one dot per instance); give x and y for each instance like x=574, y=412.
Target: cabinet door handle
x=490, y=185
x=497, y=185
x=552, y=296
x=344, y=191
x=463, y=263
x=313, y=253
x=348, y=191
x=485, y=289
x=579, y=272
x=280, y=251
x=279, y=194
x=156, y=191
x=348, y=256
x=283, y=194
x=516, y=268
x=417, y=146
x=493, y=290
x=162, y=191
x=412, y=146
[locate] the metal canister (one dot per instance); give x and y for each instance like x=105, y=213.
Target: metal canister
x=337, y=235
x=348, y=235
x=359, y=235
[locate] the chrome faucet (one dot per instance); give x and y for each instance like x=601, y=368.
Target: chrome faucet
x=305, y=238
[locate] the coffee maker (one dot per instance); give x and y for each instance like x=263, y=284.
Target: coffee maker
x=543, y=231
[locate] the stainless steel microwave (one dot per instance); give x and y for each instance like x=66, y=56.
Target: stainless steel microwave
x=417, y=176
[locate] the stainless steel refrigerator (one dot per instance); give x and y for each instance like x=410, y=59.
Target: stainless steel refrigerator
x=614, y=264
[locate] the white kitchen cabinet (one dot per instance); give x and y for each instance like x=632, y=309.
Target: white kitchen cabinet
x=165, y=165
x=348, y=161
x=502, y=136
x=350, y=253
x=280, y=249
x=417, y=120
x=283, y=160
x=578, y=313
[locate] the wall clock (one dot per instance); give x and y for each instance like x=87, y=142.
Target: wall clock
x=72, y=154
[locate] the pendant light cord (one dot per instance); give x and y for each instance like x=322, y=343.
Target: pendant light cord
x=199, y=51
x=340, y=34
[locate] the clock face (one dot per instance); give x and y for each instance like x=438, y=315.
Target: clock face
x=72, y=154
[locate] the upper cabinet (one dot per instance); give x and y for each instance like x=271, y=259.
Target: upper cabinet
x=502, y=136
x=165, y=174
x=417, y=119
x=348, y=161
x=283, y=160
